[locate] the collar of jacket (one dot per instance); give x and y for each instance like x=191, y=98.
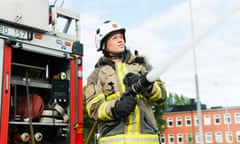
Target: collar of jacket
x=128, y=58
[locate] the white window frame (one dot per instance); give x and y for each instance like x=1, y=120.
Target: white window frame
x=170, y=138
x=207, y=120
x=179, y=119
x=227, y=118
x=218, y=137
x=196, y=121
x=208, y=137
x=188, y=119
x=180, y=136
x=238, y=136
x=217, y=117
x=197, y=138
x=237, y=118
x=229, y=134
x=163, y=139
x=168, y=122
x=188, y=136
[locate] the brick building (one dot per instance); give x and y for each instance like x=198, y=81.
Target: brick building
x=220, y=125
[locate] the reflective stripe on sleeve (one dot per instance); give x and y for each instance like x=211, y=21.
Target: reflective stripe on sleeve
x=113, y=96
x=102, y=114
x=97, y=99
x=157, y=95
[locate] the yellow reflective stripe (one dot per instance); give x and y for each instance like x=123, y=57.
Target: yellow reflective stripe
x=157, y=95
x=134, y=122
x=130, y=139
x=125, y=68
x=97, y=99
x=102, y=114
x=113, y=96
x=130, y=123
x=137, y=120
x=121, y=72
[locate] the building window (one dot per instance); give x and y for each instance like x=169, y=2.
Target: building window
x=179, y=121
x=170, y=122
x=208, y=137
x=217, y=119
x=179, y=138
x=197, y=138
x=188, y=121
x=218, y=137
x=229, y=136
x=162, y=139
x=238, y=136
x=237, y=118
x=170, y=139
x=196, y=121
x=227, y=118
x=189, y=138
x=207, y=120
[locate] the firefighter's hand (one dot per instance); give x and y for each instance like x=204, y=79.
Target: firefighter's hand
x=130, y=79
x=137, y=84
x=124, y=106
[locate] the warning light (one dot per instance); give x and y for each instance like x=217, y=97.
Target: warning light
x=38, y=36
x=67, y=43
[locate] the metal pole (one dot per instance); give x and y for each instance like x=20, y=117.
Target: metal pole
x=199, y=114
x=225, y=110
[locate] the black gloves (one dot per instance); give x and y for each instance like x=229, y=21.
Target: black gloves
x=130, y=79
x=124, y=106
x=136, y=83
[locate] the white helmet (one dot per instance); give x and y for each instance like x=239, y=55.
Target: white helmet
x=107, y=28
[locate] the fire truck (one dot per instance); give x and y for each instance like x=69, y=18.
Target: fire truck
x=40, y=73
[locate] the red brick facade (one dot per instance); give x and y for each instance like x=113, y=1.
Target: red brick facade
x=219, y=126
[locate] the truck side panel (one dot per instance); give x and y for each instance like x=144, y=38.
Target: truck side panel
x=5, y=94
x=1, y=71
x=25, y=13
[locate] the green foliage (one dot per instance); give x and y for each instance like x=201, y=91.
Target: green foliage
x=158, y=112
x=175, y=99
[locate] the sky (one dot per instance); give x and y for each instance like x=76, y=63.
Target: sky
x=171, y=34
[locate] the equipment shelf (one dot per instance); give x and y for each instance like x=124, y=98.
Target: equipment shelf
x=32, y=82
x=38, y=123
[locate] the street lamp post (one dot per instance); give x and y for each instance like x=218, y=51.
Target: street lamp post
x=199, y=113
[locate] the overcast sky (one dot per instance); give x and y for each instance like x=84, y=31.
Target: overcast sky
x=159, y=29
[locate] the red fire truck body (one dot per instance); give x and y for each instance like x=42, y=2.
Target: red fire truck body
x=41, y=74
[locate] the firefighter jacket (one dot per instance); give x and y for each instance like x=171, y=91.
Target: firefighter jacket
x=105, y=86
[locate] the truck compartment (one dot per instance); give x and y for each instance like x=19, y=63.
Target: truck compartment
x=44, y=80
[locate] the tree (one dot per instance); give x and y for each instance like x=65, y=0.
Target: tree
x=175, y=99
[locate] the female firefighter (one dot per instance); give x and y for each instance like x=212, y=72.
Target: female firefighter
x=123, y=111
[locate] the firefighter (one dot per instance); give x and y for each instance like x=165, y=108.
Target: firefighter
x=123, y=116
